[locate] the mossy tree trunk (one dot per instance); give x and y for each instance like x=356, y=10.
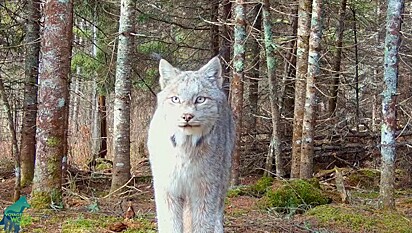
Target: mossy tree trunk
x=274, y=148
x=305, y=8
x=308, y=126
x=121, y=114
x=31, y=71
x=388, y=130
x=52, y=115
x=236, y=86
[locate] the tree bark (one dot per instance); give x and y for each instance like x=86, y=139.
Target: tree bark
x=308, y=129
x=103, y=126
x=287, y=88
x=305, y=7
x=254, y=79
x=56, y=45
x=340, y=28
x=274, y=148
x=236, y=86
x=388, y=130
x=121, y=114
x=28, y=135
x=214, y=28
x=355, y=40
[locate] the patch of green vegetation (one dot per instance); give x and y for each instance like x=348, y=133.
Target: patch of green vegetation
x=96, y=223
x=294, y=195
x=262, y=185
x=40, y=200
x=365, y=178
x=366, y=194
x=361, y=220
x=53, y=141
x=256, y=190
x=26, y=220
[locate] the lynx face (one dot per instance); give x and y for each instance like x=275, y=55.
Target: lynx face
x=190, y=99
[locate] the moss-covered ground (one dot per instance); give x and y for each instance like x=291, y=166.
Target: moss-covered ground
x=258, y=205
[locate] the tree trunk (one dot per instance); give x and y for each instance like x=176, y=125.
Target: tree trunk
x=305, y=7
x=53, y=100
x=121, y=114
x=96, y=122
x=214, y=28
x=28, y=135
x=236, y=86
x=226, y=44
x=388, y=147
x=308, y=129
x=287, y=88
x=274, y=148
x=103, y=126
x=254, y=79
x=337, y=59
x=355, y=42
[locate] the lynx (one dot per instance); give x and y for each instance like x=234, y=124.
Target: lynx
x=191, y=139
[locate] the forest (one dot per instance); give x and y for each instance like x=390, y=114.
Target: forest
x=321, y=93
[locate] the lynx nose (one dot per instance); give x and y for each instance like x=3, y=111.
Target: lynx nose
x=187, y=117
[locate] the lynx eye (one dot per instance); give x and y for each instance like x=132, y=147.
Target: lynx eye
x=200, y=99
x=175, y=99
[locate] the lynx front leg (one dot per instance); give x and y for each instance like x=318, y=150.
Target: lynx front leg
x=169, y=212
x=219, y=215
x=204, y=213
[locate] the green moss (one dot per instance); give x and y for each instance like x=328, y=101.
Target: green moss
x=366, y=194
x=365, y=178
x=40, y=200
x=257, y=190
x=262, y=185
x=96, y=223
x=53, y=141
x=361, y=220
x=294, y=195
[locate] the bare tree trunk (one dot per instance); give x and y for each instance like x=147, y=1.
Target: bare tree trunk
x=53, y=101
x=305, y=7
x=226, y=44
x=103, y=126
x=214, y=28
x=355, y=38
x=236, y=86
x=254, y=79
x=287, y=88
x=306, y=162
x=274, y=148
x=96, y=122
x=15, y=145
x=28, y=135
x=388, y=147
x=337, y=58
x=121, y=115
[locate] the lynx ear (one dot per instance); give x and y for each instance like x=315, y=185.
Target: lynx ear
x=213, y=71
x=167, y=72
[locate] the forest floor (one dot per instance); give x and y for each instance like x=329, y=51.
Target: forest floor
x=88, y=209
